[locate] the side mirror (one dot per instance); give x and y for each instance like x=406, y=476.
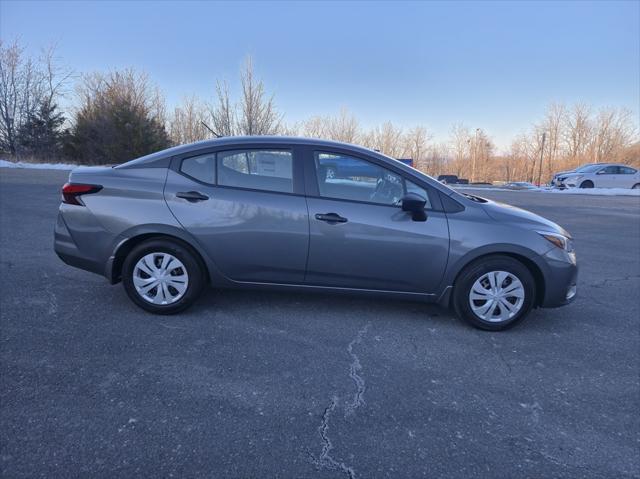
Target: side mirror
x=414, y=203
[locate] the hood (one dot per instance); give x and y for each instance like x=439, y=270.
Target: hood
x=569, y=174
x=502, y=212
x=562, y=173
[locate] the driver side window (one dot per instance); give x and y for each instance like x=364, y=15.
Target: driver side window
x=347, y=178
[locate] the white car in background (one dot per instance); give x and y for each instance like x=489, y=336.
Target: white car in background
x=555, y=180
x=602, y=175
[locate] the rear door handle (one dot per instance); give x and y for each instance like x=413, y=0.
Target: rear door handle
x=331, y=218
x=192, y=196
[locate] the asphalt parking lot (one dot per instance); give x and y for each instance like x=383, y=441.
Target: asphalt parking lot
x=250, y=384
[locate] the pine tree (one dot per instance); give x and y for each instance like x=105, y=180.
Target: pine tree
x=41, y=136
x=117, y=121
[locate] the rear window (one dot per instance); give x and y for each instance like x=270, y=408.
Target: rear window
x=201, y=168
x=268, y=170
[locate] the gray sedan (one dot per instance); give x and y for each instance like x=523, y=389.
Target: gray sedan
x=266, y=212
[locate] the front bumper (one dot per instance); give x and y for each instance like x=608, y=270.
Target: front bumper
x=561, y=278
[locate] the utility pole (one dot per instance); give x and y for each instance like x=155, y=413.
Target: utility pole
x=544, y=136
x=475, y=154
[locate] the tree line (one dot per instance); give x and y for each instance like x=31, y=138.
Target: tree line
x=121, y=115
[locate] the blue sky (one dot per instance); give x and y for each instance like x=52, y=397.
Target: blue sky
x=494, y=65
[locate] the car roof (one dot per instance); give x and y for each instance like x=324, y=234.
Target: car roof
x=245, y=141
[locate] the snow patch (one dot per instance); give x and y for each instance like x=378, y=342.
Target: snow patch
x=598, y=191
x=568, y=191
x=37, y=166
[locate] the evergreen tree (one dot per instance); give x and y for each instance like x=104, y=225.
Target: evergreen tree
x=117, y=121
x=41, y=136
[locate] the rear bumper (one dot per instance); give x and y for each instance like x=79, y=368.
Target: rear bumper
x=68, y=251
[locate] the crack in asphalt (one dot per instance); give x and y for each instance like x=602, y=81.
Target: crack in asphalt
x=354, y=373
x=613, y=280
x=53, y=299
x=325, y=460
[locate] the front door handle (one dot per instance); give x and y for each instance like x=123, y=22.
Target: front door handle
x=192, y=196
x=331, y=218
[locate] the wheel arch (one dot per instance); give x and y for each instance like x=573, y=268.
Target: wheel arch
x=519, y=254
x=146, y=233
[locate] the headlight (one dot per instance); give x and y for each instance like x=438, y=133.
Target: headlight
x=558, y=240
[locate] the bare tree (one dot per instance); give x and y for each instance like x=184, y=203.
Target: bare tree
x=415, y=146
x=223, y=113
x=386, y=139
x=29, y=92
x=577, y=131
x=436, y=159
x=254, y=114
x=257, y=114
x=460, y=140
x=315, y=127
x=613, y=131
x=55, y=76
x=344, y=127
x=552, y=125
x=16, y=93
x=188, y=122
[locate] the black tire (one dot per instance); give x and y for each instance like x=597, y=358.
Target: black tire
x=586, y=184
x=636, y=186
x=194, y=271
x=476, y=270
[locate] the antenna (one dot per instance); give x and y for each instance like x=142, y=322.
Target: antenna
x=207, y=127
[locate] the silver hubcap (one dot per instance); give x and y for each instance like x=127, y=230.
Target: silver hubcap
x=496, y=296
x=160, y=278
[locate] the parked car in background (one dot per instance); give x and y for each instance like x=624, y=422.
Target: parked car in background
x=452, y=180
x=269, y=212
x=448, y=179
x=406, y=161
x=554, y=180
x=520, y=185
x=601, y=175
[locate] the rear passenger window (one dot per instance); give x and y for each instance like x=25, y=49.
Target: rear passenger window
x=201, y=168
x=269, y=170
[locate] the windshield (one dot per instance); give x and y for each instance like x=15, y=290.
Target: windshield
x=589, y=169
x=584, y=168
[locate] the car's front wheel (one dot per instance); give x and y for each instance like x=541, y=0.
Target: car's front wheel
x=586, y=184
x=494, y=293
x=162, y=276
x=636, y=186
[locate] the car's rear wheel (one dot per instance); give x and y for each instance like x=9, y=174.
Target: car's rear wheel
x=494, y=293
x=586, y=184
x=162, y=276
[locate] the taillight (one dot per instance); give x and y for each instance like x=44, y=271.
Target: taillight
x=71, y=192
